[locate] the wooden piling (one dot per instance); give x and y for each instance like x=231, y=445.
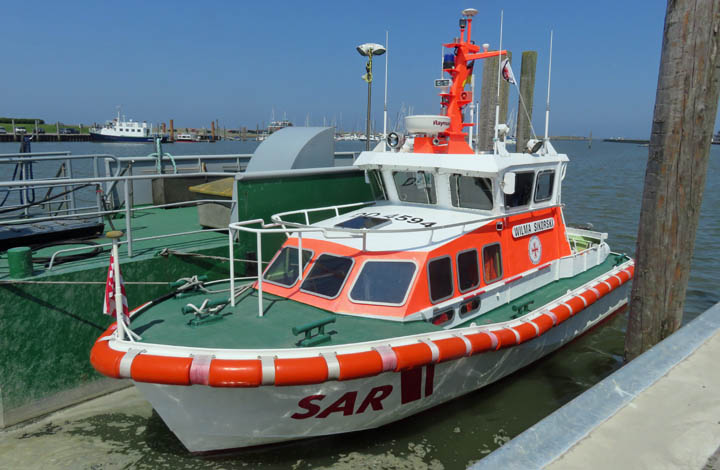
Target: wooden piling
x=172, y=131
x=685, y=109
x=527, y=93
x=212, y=130
x=488, y=101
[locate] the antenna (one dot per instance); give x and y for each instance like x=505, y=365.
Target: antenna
x=547, y=106
x=499, y=77
x=387, y=54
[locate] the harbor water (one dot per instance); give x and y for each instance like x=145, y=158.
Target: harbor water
x=603, y=187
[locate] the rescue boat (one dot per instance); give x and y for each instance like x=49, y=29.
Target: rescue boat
x=460, y=272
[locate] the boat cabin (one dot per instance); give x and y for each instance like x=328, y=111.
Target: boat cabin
x=445, y=237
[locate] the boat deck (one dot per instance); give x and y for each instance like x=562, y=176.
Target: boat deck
x=240, y=327
x=145, y=223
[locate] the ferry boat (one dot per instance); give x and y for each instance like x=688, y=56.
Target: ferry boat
x=460, y=272
x=119, y=130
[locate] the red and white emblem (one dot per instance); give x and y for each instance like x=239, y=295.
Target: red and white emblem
x=535, y=249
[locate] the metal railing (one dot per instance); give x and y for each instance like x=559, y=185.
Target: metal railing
x=66, y=169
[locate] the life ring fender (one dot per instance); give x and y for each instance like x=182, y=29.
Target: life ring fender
x=316, y=369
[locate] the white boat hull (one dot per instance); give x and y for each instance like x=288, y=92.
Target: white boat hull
x=210, y=418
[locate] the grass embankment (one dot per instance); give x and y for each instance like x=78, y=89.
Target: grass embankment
x=49, y=128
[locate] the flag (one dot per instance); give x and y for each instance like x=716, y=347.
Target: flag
x=110, y=302
x=507, y=72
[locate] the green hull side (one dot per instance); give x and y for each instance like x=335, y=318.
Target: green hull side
x=49, y=329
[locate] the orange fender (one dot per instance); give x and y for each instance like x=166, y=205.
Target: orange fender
x=544, y=322
x=562, y=313
x=105, y=359
x=589, y=296
x=526, y=332
x=357, y=365
x=450, y=348
x=481, y=342
x=412, y=355
x=576, y=304
x=506, y=337
x=602, y=288
x=301, y=371
x=161, y=369
x=235, y=373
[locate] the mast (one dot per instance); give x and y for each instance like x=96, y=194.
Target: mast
x=547, y=105
x=385, y=115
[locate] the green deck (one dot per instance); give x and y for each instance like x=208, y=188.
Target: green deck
x=50, y=321
x=240, y=326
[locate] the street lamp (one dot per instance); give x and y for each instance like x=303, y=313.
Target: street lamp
x=369, y=50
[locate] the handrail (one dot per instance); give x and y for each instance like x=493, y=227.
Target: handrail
x=154, y=237
x=105, y=179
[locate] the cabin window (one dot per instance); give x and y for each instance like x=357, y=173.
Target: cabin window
x=468, y=270
x=544, y=185
x=327, y=276
x=471, y=192
x=383, y=282
x=283, y=270
x=415, y=186
x=492, y=263
x=523, y=190
x=440, y=279
x=376, y=185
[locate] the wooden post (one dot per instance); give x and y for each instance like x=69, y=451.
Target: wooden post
x=488, y=100
x=212, y=130
x=172, y=131
x=685, y=110
x=527, y=92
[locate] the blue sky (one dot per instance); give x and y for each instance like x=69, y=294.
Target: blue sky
x=237, y=61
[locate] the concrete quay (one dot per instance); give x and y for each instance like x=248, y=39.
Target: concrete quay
x=661, y=411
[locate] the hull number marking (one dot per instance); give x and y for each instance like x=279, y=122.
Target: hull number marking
x=406, y=218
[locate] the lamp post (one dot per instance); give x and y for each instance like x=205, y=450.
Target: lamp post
x=369, y=50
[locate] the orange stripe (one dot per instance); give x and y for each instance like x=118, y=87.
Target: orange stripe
x=301, y=371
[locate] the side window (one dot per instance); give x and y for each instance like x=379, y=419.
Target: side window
x=523, y=190
x=284, y=268
x=327, y=276
x=415, y=186
x=383, y=282
x=376, y=185
x=440, y=279
x=468, y=270
x=492, y=263
x=544, y=185
x=471, y=192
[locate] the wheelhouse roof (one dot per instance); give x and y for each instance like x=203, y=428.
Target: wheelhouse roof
x=480, y=164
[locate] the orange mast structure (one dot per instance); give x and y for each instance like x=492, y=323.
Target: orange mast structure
x=454, y=139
